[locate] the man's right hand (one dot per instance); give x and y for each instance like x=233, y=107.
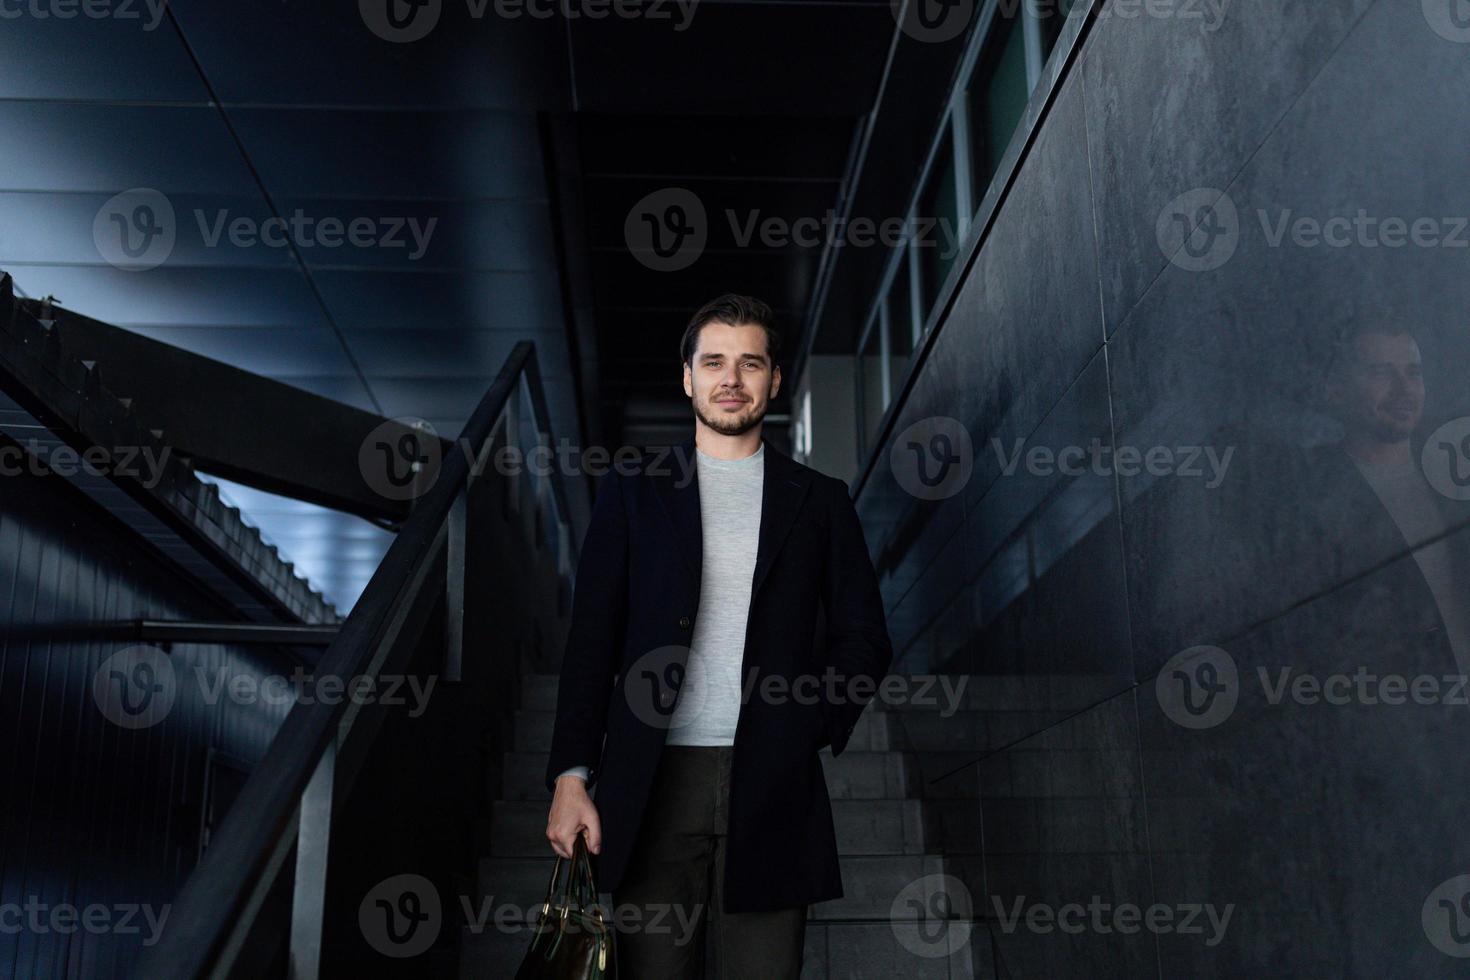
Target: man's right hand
x=572, y=812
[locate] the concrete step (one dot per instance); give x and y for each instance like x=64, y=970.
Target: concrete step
x=515, y=886
x=854, y=775
x=876, y=731
x=833, y=951
x=518, y=827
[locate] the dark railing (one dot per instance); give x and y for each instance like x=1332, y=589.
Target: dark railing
x=289, y=799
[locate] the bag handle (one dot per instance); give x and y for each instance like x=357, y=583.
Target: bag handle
x=581, y=886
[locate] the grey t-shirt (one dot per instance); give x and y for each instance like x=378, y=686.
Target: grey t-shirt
x=730, y=495
x=730, y=518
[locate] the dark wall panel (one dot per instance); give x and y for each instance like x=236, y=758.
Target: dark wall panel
x=95, y=816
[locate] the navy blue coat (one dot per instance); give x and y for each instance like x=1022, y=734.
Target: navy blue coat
x=815, y=612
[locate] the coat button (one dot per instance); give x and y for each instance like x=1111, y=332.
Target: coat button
x=683, y=622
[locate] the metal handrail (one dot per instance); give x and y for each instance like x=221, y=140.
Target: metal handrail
x=216, y=907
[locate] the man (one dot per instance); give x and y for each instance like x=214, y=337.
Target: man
x=1376, y=391
x=726, y=626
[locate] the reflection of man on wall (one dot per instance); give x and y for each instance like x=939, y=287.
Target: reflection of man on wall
x=1376, y=390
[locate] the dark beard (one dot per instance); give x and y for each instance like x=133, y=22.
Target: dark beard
x=730, y=427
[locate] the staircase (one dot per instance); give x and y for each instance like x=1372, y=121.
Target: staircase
x=892, y=845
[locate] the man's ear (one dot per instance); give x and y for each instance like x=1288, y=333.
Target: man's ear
x=775, y=380
x=688, y=380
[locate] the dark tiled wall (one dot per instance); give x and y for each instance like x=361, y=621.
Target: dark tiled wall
x=97, y=817
x=1114, y=763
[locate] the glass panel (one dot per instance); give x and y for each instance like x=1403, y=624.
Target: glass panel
x=1053, y=16
x=900, y=309
x=870, y=379
x=996, y=98
x=937, y=226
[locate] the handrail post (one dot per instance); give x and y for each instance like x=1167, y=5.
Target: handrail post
x=454, y=591
x=313, y=839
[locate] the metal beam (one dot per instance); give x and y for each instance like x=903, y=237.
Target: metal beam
x=233, y=423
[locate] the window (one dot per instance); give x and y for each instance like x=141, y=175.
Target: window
x=872, y=383
x=996, y=99
x=1053, y=17
x=937, y=227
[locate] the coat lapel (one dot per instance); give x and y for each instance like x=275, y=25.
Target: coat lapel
x=783, y=488
x=678, y=487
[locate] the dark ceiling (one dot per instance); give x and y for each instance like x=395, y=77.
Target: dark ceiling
x=526, y=139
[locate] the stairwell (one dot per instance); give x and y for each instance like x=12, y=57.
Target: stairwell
x=898, y=914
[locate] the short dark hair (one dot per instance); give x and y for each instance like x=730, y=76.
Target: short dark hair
x=734, y=310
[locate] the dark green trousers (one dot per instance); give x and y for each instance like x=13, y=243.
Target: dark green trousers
x=669, y=910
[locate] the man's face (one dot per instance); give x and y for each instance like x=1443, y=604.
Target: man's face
x=1380, y=392
x=731, y=381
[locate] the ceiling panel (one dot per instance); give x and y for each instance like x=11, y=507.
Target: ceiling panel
x=473, y=299
x=322, y=54
x=116, y=58
x=751, y=59
x=89, y=147
x=393, y=153
x=427, y=352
